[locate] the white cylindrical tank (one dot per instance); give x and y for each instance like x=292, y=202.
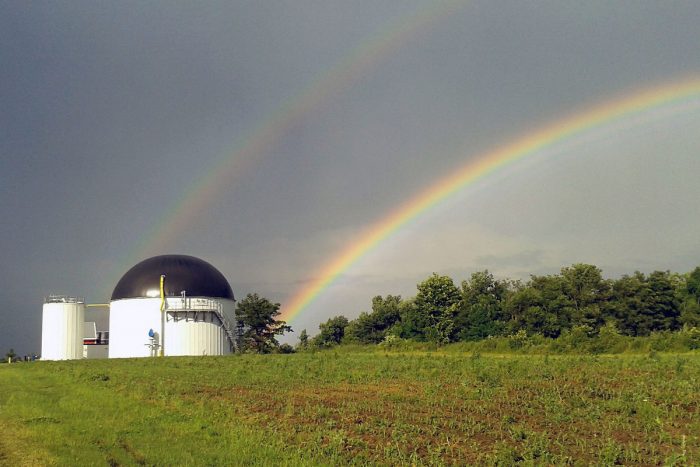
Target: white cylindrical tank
x=192, y=326
x=171, y=305
x=62, y=328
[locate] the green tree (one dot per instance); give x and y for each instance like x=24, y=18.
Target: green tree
x=332, y=332
x=412, y=323
x=690, y=299
x=10, y=356
x=435, y=307
x=629, y=294
x=663, y=305
x=644, y=304
x=372, y=328
x=588, y=293
x=540, y=306
x=693, y=284
x=480, y=312
x=303, y=339
x=257, y=325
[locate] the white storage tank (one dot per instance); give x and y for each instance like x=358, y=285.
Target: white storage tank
x=62, y=326
x=171, y=305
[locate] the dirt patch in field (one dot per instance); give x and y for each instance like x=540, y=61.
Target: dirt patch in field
x=550, y=419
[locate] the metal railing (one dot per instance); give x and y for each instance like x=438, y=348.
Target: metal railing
x=63, y=299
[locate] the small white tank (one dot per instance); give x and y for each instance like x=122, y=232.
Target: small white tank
x=62, y=328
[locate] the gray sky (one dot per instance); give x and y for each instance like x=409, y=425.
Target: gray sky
x=112, y=112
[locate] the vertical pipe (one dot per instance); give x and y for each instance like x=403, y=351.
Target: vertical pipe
x=162, y=315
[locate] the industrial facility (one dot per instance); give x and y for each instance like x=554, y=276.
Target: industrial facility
x=163, y=306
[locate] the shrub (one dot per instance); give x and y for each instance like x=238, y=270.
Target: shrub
x=285, y=348
x=609, y=340
x=518, y=340
x=690, y=337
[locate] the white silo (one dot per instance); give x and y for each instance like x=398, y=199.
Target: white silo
x=62, y=328
x=171, y=305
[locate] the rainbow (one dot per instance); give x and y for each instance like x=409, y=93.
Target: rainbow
x=484, y=165
x=258, y=142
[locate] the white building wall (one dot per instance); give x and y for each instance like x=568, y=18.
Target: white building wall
x=194, y=332
x=62, y=331
x=129, y=323
x=198, y=334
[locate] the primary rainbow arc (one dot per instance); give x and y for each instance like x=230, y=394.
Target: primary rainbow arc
x=482, y=166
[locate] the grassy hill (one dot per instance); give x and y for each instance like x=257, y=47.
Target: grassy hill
x=341, y=406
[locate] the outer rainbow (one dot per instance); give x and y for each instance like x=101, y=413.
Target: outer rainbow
x=256, y=144
x=481, y=167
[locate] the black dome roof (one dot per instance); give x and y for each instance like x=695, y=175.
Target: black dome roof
x=193, y=275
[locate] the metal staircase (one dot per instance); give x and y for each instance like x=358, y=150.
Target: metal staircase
x=227, y=329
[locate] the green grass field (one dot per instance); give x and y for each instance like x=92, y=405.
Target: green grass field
x=351, y=406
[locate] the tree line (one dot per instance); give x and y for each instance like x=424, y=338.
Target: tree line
x=577, y=299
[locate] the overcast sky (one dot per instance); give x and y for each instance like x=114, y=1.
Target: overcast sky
x=113, y=113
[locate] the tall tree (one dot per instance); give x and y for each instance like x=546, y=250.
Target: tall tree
x=303, y=339
x=436, y=306
x=332, y=332
x=480, y=312
x=690, y=299
x=372, y=328
x=540, y=306
x=693, y=284
x=646, y=304
x=589, y=294
x=412, y=323
x=663, y=305
x=629, y=295
x=257, y=325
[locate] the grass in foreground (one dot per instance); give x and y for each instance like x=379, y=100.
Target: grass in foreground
x=336, y=407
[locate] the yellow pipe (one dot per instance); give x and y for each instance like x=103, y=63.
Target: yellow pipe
x=162, y=292
x=162, y=317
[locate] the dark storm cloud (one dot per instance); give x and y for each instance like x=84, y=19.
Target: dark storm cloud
x=110, y=112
